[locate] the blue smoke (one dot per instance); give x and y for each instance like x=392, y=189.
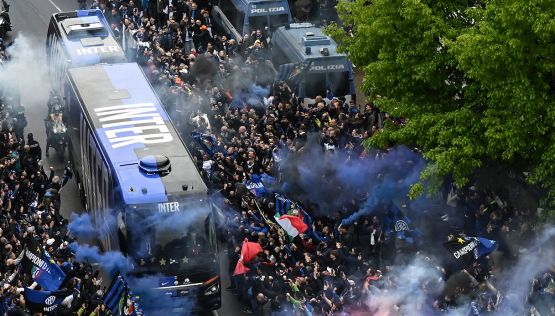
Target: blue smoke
x=110, y=261
x=252, y=96
x=336, y=182
x=81, y=226
x=192, y=216
x=156, y=302
x=389, y=187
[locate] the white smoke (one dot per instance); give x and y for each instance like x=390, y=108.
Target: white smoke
x=407, y=290
x=410, y=290
x=537, y=258
x=27, y=70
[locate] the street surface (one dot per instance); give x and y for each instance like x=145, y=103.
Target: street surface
x=30, y=19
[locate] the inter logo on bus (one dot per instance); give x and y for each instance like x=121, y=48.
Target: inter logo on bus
x=96, y=50
x=142, y=121
x=170, y=207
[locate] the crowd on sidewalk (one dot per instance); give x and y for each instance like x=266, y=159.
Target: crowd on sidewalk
x=30, y=214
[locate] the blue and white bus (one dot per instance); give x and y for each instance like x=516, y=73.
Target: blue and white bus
x=79, y=38
x=134, y=168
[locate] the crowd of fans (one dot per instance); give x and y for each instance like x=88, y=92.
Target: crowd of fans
x=336, y=268
x=30, y=209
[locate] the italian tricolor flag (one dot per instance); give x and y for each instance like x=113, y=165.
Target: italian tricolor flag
x=292, y=224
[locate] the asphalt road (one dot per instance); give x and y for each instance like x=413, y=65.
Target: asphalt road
x=30, y=19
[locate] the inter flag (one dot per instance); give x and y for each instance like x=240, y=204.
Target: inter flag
x=283, y=204
x=293, y=73
x=41, y=267
x=249, y=250
x=466, y=250
x=255, y=185
x=45, y=302
x=310, y=230
x=285, y=71
x=397, y=224
x=485, y=246
x=207, y=142
x=462, y=249
x=118, y=299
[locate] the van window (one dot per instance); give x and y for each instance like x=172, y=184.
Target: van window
x=278, y=20
x=257, y=22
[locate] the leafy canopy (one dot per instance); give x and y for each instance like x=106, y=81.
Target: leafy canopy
x=475, y=79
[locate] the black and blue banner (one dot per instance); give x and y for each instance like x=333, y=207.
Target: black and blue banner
x=45, y=302
x=41, y=267
x=466, y=250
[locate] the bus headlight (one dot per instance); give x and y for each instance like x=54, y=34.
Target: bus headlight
x=213, y=289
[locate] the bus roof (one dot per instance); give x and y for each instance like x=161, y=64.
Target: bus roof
x=88, y=38
x=299, y=38
x=132, y=127
x=262, y=7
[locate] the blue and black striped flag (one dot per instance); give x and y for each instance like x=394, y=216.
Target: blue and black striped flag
x=118, y=299
x=293, y=73
x=284, y=205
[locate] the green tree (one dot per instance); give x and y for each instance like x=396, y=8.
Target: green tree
x=475, y=79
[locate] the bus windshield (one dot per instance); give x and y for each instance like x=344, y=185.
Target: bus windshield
x=88, y=26
x=172, y=239
x=271, y=21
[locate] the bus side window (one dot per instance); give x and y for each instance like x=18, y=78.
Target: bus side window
x=92, y=164
x=108, y=185
x=100, y=186
x=73, y=107
x=56, y=64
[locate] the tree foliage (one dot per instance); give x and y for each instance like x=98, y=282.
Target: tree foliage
x=475, y=79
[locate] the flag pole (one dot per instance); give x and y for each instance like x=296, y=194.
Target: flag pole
x=269, y=223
